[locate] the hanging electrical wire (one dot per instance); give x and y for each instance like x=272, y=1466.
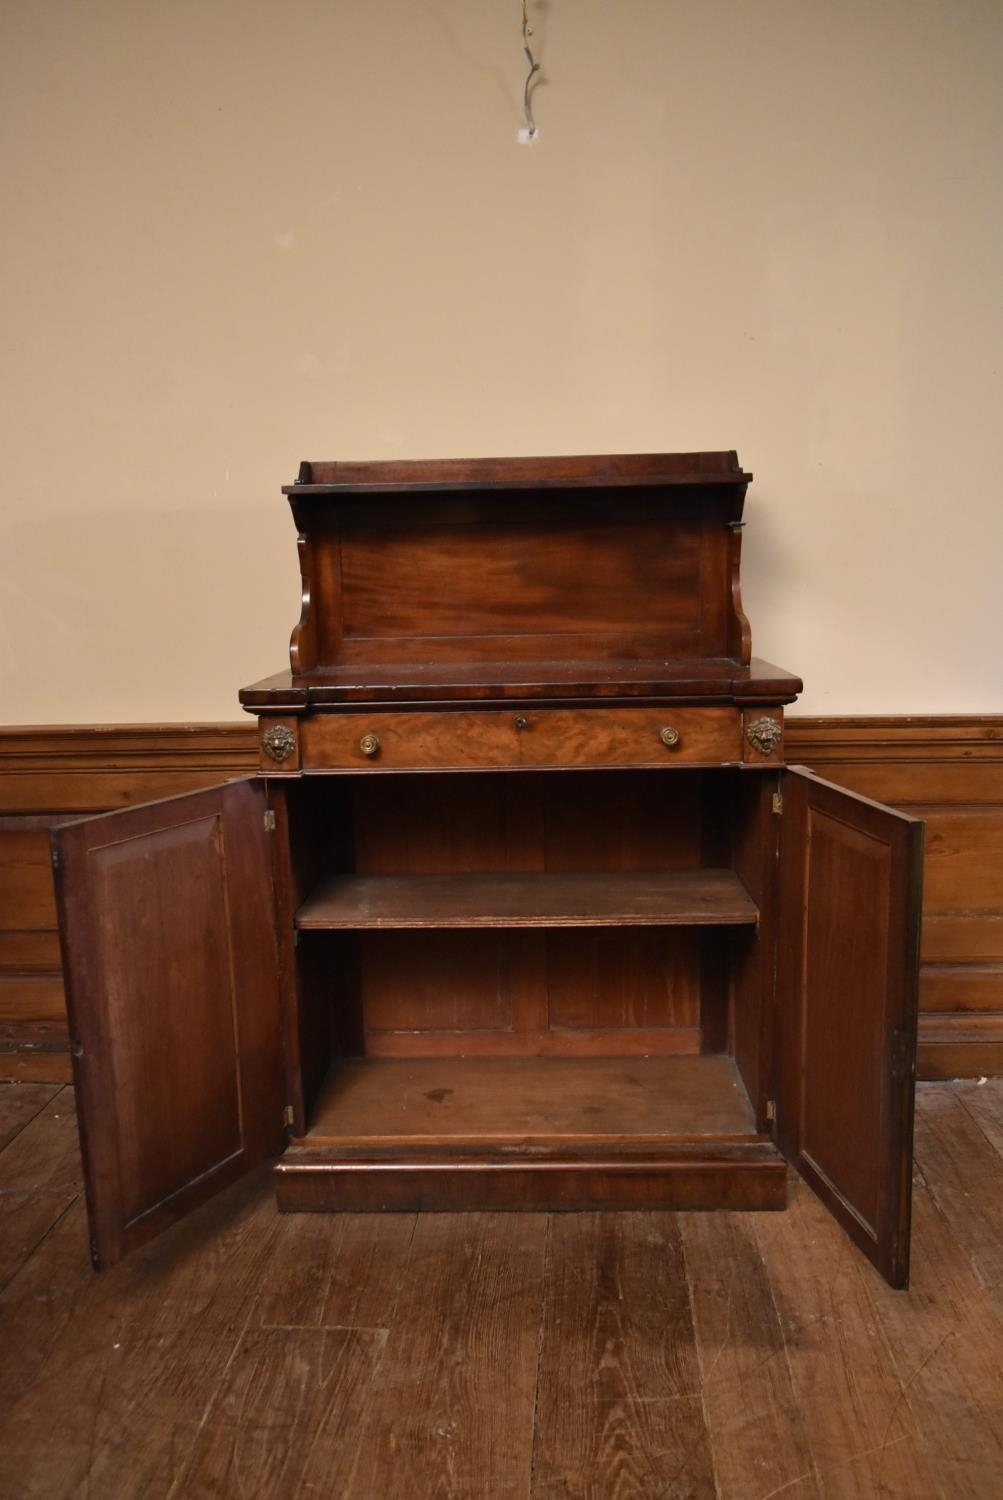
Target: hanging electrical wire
x=534, y=68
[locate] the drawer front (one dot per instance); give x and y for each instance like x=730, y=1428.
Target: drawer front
x=464, y=740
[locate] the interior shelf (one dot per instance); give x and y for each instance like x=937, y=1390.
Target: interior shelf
x=651, y=899
x=493, y=1101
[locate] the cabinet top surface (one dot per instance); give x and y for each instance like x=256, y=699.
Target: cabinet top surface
x=487, y=683
x=590, y=471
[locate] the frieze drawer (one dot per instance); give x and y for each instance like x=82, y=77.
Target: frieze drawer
x=511, y=738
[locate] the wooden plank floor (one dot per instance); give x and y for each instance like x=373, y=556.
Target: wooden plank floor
x=726, y=1356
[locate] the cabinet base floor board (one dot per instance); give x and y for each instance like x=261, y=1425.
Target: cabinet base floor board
x=542, y=1133
x=516, y=1101
x=731, y=1176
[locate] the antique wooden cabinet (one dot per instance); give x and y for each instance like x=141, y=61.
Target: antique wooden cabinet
x=524, y=910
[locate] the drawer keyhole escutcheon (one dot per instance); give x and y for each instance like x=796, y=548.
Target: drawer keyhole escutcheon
x=669, y=736
x=369, y=744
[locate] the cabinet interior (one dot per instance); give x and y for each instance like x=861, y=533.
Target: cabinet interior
x=529, y=956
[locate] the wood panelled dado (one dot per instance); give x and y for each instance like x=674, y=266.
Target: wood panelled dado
x=946, y=770
x=47, y=776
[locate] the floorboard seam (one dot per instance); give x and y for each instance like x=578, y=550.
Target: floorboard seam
x=211, y=1402
x=904, y=1383
x=994, y=1307
x=400, y=1279
x=320, y=1328
x=57, y=1090
x=698, y=1351
x=962, y=1097
x=544, y=1293
x=932, y=1186
x=813, y=1473
x=39, y=1192
x=39, y=1243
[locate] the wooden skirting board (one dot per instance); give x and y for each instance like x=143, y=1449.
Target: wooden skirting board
x=948, y=771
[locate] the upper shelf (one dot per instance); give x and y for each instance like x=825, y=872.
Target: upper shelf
x=597, y=561
x=692, y=898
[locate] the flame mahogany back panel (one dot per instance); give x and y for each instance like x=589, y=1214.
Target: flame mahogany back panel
x=540, y=578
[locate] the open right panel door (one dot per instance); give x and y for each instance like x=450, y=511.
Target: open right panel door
x=847, y=971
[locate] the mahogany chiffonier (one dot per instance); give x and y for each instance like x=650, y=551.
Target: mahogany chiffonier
x=524, y=910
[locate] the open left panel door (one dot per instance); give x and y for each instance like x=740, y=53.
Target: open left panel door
x=168, y=939
x=847, y=974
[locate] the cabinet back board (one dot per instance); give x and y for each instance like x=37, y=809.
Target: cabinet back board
x=612, y=991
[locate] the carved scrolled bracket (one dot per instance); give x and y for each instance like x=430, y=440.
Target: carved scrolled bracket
x=739, y=630
x=303, y=642
x=764, y=735
x=279, y=742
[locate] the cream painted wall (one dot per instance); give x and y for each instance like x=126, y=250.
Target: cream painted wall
x=239, y=234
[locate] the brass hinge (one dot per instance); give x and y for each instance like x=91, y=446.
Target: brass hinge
x=269, y=821
x=287, y=1115
x=778, y=803
x=771, y=1111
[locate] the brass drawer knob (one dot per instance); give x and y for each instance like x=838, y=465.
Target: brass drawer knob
x=669, y=736
x=369, y=744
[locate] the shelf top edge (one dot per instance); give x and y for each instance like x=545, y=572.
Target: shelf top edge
x=611, y=471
